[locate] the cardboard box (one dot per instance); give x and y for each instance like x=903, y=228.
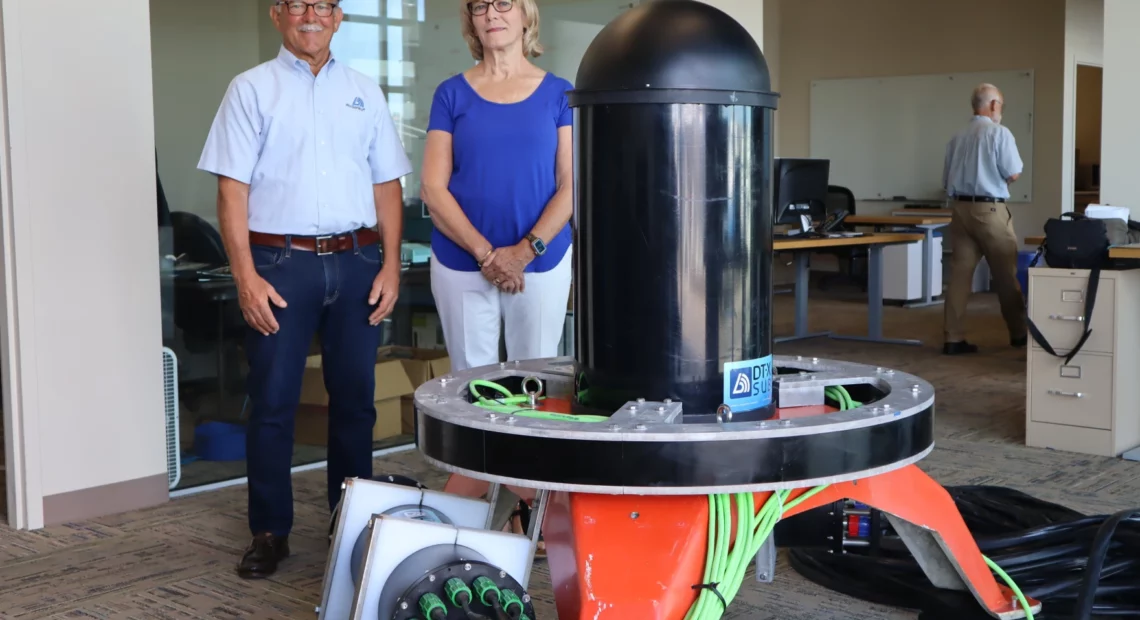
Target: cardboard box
x=421, y=365
x=407, y=415
x=392, y=383
x=312, y=427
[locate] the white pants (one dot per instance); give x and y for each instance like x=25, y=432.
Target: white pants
x=472, y=312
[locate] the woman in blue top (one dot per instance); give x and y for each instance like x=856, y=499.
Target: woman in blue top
x=497, y=180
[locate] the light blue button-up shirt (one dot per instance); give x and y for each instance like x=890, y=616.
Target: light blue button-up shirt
x=980, y=159
x=309, y=147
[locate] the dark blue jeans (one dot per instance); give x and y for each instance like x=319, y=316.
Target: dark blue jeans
x=325, y=294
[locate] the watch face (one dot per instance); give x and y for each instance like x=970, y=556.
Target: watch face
x=539, y=246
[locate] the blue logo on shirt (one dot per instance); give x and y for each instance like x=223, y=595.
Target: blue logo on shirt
x=357, y=104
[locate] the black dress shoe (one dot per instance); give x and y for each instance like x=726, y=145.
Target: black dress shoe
x=959, y=348
x=1018, y=343
x=262, y=555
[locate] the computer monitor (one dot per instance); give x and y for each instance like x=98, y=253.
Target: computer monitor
x=799, y=191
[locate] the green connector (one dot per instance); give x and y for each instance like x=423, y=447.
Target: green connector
x=484, y=586
x=453, y=588
x=509, y=599
x=429, y=603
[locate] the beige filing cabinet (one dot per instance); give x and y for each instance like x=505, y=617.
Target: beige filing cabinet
x=1092, y=404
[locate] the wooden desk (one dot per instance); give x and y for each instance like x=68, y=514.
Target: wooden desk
x=1124, y=251
x=925, y=212
x=874, y=242
x=1116, y=251
x=786, y=244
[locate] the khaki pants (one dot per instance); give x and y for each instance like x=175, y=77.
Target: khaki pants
x=983, y=229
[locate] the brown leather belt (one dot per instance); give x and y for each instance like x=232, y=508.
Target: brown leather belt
x=978, y=199
x=325, y=244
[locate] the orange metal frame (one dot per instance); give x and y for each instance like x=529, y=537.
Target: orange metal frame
x=638, y=556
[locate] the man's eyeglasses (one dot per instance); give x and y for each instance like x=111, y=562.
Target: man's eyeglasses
x=296, y=7
x=480, y=8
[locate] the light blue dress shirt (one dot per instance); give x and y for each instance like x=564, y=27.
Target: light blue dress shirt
x=309, y=147
x=979, y=160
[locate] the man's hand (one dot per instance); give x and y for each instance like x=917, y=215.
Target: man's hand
x=385, y=290
x=505, y=267
x=254, y=296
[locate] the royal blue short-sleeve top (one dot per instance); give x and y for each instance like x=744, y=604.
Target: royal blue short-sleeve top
x=503, y=165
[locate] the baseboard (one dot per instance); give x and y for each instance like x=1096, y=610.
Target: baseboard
x=106, y=500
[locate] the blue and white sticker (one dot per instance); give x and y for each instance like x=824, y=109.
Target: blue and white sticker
x=748, y=384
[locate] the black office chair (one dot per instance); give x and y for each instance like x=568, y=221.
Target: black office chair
x=199, y=242
x=196, y=240
x=840, y=198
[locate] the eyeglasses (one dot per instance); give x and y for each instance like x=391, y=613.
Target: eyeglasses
x=480, y=8
x=296, y=7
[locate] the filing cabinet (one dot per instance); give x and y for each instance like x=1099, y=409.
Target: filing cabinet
x=1092, y=404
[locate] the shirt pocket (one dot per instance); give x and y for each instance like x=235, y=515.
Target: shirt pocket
x=352, y=131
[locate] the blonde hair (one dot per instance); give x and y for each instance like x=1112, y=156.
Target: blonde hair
x=531, y=46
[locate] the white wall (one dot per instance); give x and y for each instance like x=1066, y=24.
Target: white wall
x=198, y=47
x=1084, y=44
x=81, y=236
x=1120, y=136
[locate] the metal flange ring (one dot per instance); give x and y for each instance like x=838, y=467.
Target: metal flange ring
x=645, y=448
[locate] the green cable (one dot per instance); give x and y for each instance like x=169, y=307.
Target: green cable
x=1012, y=586
x=510, y=404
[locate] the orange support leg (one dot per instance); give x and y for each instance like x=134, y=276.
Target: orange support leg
x=625, y=556
x=622, y=556
x=926, y=518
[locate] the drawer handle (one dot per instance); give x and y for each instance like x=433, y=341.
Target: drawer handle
x=1064, y=393
x=1061, y=317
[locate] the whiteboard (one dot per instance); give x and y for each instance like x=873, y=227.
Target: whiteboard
x=886, y=137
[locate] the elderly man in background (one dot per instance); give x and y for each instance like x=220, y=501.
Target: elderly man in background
x=981, y=161
x=308, y=164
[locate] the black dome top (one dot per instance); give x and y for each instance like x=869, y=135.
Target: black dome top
x=673, y=51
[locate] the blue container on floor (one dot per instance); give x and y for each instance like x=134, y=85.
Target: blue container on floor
x=1023, y=259
x=219, y=441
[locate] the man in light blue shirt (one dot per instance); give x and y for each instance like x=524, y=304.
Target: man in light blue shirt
x=981, y=161
x=309, y=163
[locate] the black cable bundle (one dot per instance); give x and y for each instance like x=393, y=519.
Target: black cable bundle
x=1079, y=567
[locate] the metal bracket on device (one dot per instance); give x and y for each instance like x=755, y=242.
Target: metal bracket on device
x=766, y=561
x=634, y=415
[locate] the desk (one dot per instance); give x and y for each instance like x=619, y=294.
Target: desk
x=802, y=249
x=1035, y=240
x=924, y=212
x=928, y=224
x=1124, y=251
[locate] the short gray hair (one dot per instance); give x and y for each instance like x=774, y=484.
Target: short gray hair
x=983, y=95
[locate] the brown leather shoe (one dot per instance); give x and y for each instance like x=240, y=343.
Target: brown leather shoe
x=262, y=555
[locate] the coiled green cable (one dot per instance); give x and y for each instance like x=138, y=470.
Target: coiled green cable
x=513, y=404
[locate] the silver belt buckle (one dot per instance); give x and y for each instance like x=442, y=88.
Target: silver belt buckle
x=318, y=244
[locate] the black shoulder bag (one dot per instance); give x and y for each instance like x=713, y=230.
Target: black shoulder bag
x=1074, y=241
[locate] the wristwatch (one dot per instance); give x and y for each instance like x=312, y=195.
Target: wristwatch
x=536, y=244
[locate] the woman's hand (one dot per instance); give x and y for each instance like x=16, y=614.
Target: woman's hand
x=504, y=268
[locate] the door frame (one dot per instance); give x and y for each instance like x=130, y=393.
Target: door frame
x=1069, y=136
x=17, y=333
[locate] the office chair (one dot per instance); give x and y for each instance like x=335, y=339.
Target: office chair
x=842, y=199
x=199, y=242
x=196, y=240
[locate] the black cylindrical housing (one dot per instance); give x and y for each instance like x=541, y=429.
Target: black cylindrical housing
x=673, y=256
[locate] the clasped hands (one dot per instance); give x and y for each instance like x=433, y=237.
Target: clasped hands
x=504, y=267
